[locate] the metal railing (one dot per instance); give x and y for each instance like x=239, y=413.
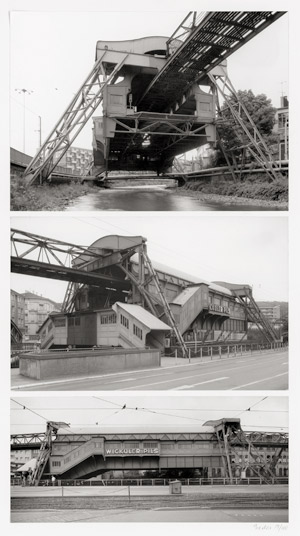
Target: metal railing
x=208, y=352
x=215, y=481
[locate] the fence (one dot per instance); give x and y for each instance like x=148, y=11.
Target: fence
x=219, y=481
x=208, y=352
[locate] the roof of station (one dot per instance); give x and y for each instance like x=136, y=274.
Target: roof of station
x=134, y=429
x=146, y=318
x=121, y=243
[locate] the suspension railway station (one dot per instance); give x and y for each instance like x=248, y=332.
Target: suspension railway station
x=219, y=448
x=160, y=98
x=122, y=312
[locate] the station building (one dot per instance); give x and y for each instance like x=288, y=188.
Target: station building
x=79, y=453
x=127, y=312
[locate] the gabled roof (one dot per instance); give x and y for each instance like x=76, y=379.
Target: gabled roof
x=143, y=316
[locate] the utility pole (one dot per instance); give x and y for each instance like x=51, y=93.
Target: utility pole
x=25, y=92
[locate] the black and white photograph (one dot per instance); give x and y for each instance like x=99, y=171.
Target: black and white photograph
x=156, y=302
x=139, y=459
x=149, y=244
x=171, y=112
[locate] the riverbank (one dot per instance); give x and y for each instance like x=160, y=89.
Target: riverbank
x=47, y=196
x=233, y=200
x=253, y=191
x=59, y=197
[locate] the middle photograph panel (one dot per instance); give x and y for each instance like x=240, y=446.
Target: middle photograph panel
x=131, y=302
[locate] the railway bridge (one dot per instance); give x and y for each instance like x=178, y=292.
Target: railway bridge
x=116, y=296
x=160, y=98
x=218, y=448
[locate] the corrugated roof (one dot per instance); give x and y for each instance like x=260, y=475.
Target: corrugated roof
x=218, y=288
x=146, y=318
x=149, y=429
x=173, y=272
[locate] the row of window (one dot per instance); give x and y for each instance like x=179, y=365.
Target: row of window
x=108, y=319
x=74, y=321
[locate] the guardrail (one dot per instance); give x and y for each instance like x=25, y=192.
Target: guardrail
x=211, y=351
x=216, y=481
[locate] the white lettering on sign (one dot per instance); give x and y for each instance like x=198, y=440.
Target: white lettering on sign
x=219, y=308
x=132, y=451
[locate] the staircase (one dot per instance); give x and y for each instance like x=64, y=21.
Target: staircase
x=93, y=447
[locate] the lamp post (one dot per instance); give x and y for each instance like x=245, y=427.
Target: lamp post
x=24, y=91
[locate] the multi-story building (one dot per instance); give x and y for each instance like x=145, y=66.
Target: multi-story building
x=17, y=309
x=37, y=309
x=19, y=457
x=281, y=127
x=77, y=160
x=271, y=312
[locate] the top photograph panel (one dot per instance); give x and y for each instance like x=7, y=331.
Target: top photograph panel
x=149, y=111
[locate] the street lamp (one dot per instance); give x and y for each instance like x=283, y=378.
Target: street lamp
x=24, y=92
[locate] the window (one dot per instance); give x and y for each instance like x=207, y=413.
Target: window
x=108, y=319
x=124, y=321
x=59, y=322
x=137, y=332
x=77, y=321
x=55, y=464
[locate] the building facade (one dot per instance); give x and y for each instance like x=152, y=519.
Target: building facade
x=77, y=160
x=17, y=309
x=271, y=312
x=281, y=127
x=37, y=309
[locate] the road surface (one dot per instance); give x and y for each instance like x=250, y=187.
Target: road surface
x=155, y=516
x=260, y=371
x=210, y=507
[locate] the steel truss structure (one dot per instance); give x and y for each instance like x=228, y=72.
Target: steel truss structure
x=232, y=438
x=22, y=263
x=66, y=130
x=255, y=315
x=244, y=128
x=208, y=39
x=16, y=334
x=228, y=434
x=80, y=266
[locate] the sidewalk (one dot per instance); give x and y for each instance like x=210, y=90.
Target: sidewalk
x=104, y=491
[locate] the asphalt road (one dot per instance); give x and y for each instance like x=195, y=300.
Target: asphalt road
x=210, y=505
x=158, y=515
x=265, y=371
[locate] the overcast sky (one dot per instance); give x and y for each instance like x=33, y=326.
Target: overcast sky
x=256, y=412
x=53, y=52
x=237, y=249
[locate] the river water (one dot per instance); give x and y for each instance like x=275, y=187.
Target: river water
x=151, y=198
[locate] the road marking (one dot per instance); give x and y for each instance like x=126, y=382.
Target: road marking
x=200, y=383
x=285, y=363
x=159, y=370
x=259, y=381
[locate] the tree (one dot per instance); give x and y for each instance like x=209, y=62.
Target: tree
x=261, y=112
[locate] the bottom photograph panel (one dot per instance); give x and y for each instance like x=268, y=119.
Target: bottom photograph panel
x=126, y=458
